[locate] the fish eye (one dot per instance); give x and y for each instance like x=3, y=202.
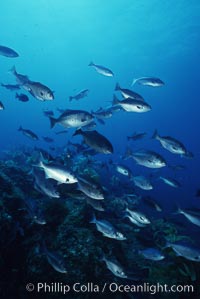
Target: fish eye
x=139, y=107
x=41, y=93
x=67, y=180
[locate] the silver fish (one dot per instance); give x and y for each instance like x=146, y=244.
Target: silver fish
x=72, y=119
x=170, y=181
x=171, y=144
x=148, y=159
x=107, y=229
x=96, y=204
x=191, y=216
x=54, y=259
x=137, y=218
x=123, y=170
x=152, y=254
x=90, y=189
x=115, y=268
x=82, y=94
x=39, y=91
x=188, y=252
x=148, y=81
x=127, y=93
x=58, y=172
x=101, y=69
x=132, y=105
x=142, y=182
x=43, y=185
x=21, y=79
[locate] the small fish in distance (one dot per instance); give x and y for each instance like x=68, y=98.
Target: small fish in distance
x=61, y=132
x=192, y=216
x=102, y=113
x=152, y=254
x=170, y=181
x=8, y=52
x=54, y=259
x=48, y=113
x=102, y=70
x=11, y=87
x=28, y=133
x=22, y=97
x=136, y=136
x=148, y=81
x=82, y=94
x=124, y=170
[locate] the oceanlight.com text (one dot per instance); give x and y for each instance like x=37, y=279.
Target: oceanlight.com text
x=90, y=287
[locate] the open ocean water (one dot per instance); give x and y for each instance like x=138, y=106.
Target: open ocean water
x=99, y=174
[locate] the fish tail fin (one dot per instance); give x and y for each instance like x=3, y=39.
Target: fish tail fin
x=20, y=128
x=177, y=209
x=93, y=220
x=128, y=153
x=155, y=135
x=16, y=96
x=53, y=121
x=12, y=70
x=117, y=87
x=77, y=132
x=134, y=81
x=128, y=138
x=39, y=165
x=91, y=63
x=70, y=98
x=115, y=100
x=103, y=258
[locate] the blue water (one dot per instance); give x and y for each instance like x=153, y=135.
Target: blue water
x=56, y=40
